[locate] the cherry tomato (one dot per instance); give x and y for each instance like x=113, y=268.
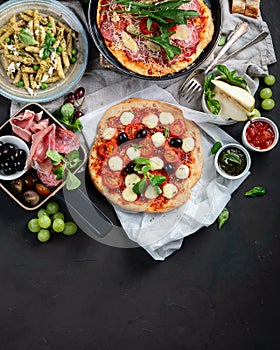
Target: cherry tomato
x=112, y=180
x=42, y=190
x=131, y=130
x=144, y=28
x=147, y=147
x=170, y=155
x=177, y=128
x=107, y=149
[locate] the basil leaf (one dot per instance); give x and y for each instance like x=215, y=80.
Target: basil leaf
x=141, y=160
x=166, y=132
x=231, y=76
x=140, y=186
x=223, y=218
x=255, y=191
x=26, y=38
x=59, y=172
x=232, y=157
x=157, y=180
x=54, y=156
x=214, y=106
x=217, y=145
x=72, y=182
x=208, y=85
x=67, y=111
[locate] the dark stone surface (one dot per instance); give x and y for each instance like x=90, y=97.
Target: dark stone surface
x=219, y=291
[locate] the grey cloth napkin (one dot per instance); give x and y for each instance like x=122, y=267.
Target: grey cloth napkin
x=104, y=86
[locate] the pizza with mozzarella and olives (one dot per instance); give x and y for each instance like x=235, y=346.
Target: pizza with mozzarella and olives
x=155, y=38
x=146, y=156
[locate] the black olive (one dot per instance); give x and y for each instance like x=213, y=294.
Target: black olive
x=19, y=165
x=141, y=134
x=9, y=170
x=18, y=155
x=31, y=197
x=7, y=149
x=168, y=168
x=130, y=168
x=176, y=142
x=122, y=138
x=17, y=185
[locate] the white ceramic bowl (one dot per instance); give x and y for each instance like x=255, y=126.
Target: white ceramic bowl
x=243, y=151
x=20, y=144
x=73, y=74
x=250, y=146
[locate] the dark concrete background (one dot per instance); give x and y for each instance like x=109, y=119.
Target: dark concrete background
x=219, y=291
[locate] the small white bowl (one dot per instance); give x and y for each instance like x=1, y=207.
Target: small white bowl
x=272, y=125
x=19, y=143
x=240, y=149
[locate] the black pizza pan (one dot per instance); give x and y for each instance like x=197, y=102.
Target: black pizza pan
x=215, y=7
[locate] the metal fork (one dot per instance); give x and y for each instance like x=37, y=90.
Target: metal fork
x=194, y=82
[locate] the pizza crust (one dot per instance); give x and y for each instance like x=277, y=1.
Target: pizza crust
x=159, y=204
x=153, y=67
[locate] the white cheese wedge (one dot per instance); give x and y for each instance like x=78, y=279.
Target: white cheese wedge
x=131, y=179
x=151, y=121
x=181, y=32
x=115, y=163
x=152, y=46
x=169, y=191
x=129, y=42
x=129, y=195
x=158, y=139
x=108, y=133
x=133, y=153
x=240, y=95
x=156, y=163
x=188, y=144
x=150, y=192
x=126, y=118
x=166, y=118
x=182, y=172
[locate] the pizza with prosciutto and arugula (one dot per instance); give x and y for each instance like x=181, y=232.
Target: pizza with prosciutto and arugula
x=146, y=156
x=155, y=38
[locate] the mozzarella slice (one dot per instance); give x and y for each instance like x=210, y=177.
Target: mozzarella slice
x=151, y=121
x=126, y=118
x=108, y=133
x=150, y=192
x=169, y=191
x=158, y=139
x=129, y=195
x=156, y=163
x=131, y=179
x=115, y=163
x=188, y=144
x=182, y=172
x=166, y=118
x=133, y=153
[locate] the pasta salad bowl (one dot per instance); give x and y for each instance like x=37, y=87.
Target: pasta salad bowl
x=43, y=50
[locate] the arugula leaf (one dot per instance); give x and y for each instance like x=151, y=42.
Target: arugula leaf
x=166, y=132
x=166, y=14
x=231, y=76
x=26, y=38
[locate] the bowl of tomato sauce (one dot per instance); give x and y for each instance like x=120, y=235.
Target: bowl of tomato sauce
x=260, y=134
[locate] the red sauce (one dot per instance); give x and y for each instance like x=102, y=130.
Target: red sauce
x=260, y=135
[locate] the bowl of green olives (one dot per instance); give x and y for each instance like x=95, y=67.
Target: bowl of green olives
x=14, y=154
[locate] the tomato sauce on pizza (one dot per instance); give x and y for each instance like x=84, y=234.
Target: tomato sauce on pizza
x=155, y=38
x=149, y=160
